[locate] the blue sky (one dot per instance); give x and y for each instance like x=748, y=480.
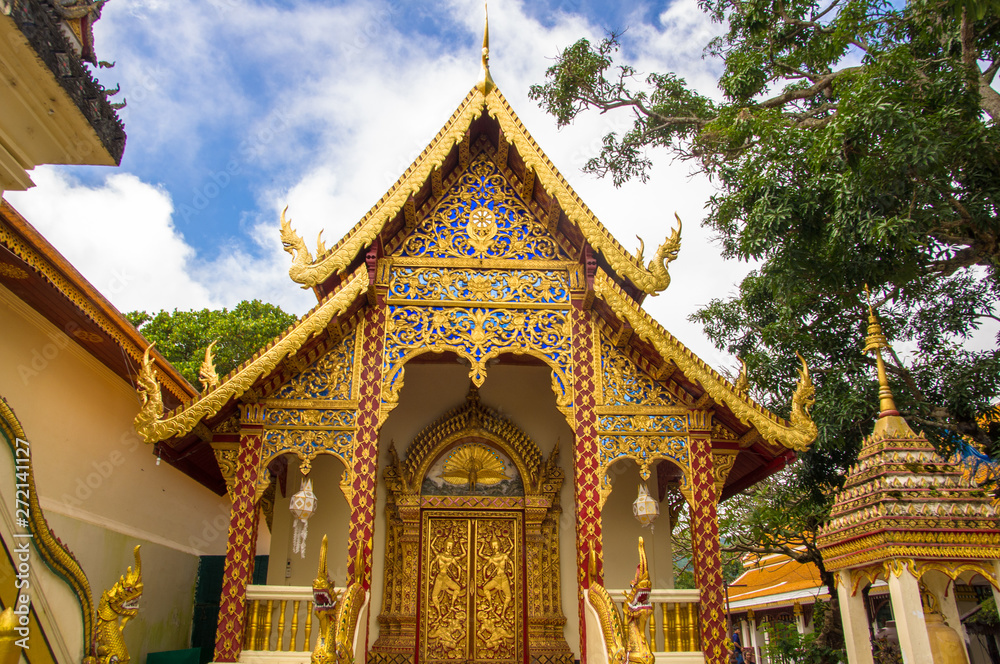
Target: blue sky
x=237, y=108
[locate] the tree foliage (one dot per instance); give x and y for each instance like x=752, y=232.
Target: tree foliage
x=183, y=336
x=854, y=142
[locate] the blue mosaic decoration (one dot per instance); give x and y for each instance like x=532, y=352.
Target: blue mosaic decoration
x=482, y=217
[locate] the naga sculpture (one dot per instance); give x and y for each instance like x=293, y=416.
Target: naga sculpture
x=148, y=387
x=118, y=605
x=626, y=638
x=207, y=374
x=303, y=267
x=665, y=254
x=803, y=399
x=337, y=614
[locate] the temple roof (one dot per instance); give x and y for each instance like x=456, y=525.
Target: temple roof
x=345, y=276
x=34, y=271
x=902, y=499
x=543, y=187
x=775, y=581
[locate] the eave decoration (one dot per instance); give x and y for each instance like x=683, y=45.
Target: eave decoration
x=150, y=422
x=796, y=434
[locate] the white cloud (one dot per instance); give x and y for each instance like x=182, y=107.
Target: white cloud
x=120, y=236
x=341, y=100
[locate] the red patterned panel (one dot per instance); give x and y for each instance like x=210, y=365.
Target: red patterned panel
x=707, y=557
x=585, y=461
x=240, y=549
x=366, y=446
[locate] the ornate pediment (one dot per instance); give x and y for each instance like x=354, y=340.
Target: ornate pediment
x=482, y=216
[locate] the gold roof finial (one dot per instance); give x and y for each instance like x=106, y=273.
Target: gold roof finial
x=874, y=343
x=486, y=84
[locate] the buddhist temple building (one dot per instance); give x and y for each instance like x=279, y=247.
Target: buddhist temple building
x=467, y=415
x=915, y=521
x=446, y=459
x=773, y=590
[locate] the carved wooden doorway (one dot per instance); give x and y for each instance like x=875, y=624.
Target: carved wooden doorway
x=472, y=591
x=471, y=479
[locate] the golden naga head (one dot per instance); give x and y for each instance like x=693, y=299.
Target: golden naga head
x=123, y=597
x=804, y=430
x=291, y=241
x=324, y=594
x=207, y=374
x=637, y=597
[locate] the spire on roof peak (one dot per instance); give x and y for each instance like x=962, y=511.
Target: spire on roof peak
x=889, y=419
x=485, y=84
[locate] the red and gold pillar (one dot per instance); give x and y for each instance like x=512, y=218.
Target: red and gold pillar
x=240, y=548
x=585, y=459
x=364, y=472
x=705, y=546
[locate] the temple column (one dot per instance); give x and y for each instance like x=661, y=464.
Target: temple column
x=705, y=545
x=857, y=635
x=585, y=459
x=242, y=542
x=908, y=609
x=364, y=472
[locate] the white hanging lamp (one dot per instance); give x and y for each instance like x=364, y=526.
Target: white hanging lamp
x=302, y=505
x=645, y=508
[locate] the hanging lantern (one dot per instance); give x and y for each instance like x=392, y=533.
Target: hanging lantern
x=645, y=508
x=302, y=506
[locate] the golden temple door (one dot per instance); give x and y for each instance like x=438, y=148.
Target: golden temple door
x=472, y=592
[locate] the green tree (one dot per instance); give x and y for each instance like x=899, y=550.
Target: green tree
x=183, y=336
x=884, y=171
x=855, y=141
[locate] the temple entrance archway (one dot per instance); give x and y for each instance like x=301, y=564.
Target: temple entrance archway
x=471, y=566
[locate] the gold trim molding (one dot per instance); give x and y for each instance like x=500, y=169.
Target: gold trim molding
x=151, y=425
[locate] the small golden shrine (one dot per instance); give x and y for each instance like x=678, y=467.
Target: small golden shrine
x=470, y=520
x=913, y=519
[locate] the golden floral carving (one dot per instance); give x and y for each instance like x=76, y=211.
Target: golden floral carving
x=12, y=271
x=329, y=379
x=481, y=217
x=626, y=385
x=444, y=286
x=896, y=567
x=477, y=335
x=722, y=462
x=307, y=444
x=797, y=434
x=153, y=427
x=226, y=455
x=956, y=569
